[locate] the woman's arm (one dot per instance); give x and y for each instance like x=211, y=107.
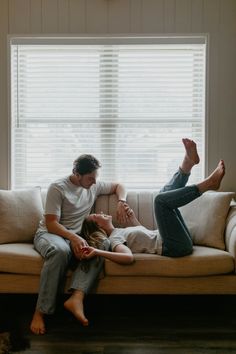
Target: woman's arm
x=121, y=254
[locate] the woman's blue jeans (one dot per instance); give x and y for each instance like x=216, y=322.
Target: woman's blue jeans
x=176, y=239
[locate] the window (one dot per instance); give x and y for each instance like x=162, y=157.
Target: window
x=128, y=101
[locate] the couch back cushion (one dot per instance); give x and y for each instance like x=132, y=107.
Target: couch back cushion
x=141, y=202
x=206, y=216
x=20, y=213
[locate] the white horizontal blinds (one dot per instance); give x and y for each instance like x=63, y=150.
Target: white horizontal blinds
x=129, y=105
x=161, y=99
x=58, y=111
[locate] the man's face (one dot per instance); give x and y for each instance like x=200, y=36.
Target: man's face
x=86, y=181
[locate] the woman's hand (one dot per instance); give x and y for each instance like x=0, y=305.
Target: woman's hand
x=121, y=212
x=129, y=212
x=131, y=219
x=89, y=252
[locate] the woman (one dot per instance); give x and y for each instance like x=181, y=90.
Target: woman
x=172, y=237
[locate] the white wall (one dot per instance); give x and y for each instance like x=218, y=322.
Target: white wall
x=216, y=17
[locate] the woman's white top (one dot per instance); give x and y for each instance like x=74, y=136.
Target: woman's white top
x=138, y=239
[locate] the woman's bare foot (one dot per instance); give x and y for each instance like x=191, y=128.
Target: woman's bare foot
x=75, y=305
x=214, y=180
x=37, y=325
x=191, y=157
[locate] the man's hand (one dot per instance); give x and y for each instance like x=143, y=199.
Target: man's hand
x=77, y=244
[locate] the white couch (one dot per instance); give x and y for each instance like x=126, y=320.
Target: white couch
x=210, y=269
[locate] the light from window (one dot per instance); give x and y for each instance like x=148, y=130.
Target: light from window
x=129, y=104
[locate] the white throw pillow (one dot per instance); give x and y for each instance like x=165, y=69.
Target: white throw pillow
x=20, y=213
x=205, y=218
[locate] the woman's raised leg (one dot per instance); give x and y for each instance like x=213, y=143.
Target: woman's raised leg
x=191, y=158
x=176, y=238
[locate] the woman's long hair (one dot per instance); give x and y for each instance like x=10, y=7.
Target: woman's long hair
x=93, y=234
x=95, y=237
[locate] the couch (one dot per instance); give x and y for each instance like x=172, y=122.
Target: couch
x=210, y=269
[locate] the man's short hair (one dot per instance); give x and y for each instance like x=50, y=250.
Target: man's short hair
x=85, y=164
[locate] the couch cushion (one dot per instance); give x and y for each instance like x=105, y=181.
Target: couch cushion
x=20, y=258
x=205, y=218
x=203, y=261
x=20, y=212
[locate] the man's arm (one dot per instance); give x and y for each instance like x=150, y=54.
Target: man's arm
x=119, y=190
x=54, y=227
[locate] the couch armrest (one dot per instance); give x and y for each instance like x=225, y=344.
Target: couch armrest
x=230, y=232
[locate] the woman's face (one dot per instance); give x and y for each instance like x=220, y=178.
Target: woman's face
x=102, y=220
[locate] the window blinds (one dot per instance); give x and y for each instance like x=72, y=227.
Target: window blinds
x=129, y=104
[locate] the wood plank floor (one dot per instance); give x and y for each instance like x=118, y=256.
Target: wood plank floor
x=131, y=325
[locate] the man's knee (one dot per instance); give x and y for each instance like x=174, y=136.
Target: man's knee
x=60, y=252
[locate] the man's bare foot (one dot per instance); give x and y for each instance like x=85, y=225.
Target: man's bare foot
x=75, y=305
x=214, y=180
x=37, y=325
x=191, y=157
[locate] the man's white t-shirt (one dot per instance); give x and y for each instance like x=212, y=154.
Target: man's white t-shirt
x=71, y=203
x=138, y=239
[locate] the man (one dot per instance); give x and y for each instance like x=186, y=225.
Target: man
x=69, y=200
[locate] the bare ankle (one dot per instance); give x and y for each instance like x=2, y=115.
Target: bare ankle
x=78, y=294
x=75, y=305
x=191, y=157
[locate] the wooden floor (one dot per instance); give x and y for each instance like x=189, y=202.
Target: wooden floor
x=131, y=325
